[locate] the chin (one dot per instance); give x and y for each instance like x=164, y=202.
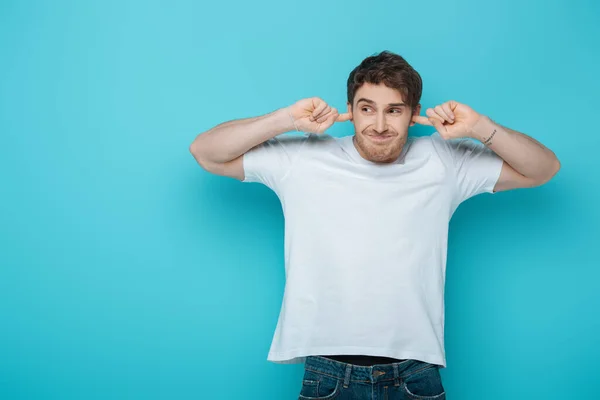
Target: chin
x=384, y=152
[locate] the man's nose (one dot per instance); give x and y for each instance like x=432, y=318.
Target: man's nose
x=381, y=123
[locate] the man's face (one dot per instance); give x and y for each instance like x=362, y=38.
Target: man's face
x=381, y=120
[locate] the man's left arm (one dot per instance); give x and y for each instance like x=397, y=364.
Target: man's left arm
x=527, y=162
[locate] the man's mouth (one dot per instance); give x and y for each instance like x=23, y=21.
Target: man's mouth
x=380, y=138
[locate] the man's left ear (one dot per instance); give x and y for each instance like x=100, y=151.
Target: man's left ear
x=416, y=112
x=350, y=111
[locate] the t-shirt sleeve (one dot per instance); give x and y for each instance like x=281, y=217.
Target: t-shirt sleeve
x=269, y=162
x=476, y=167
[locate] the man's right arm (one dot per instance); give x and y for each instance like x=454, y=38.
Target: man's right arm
x=220, y=150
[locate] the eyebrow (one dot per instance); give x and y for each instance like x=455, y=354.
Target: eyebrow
x=372, y=102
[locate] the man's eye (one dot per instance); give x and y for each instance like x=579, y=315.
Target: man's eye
x=395, y=109
x=366, y=108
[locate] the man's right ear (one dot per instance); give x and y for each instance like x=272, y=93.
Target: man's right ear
x=350, y=111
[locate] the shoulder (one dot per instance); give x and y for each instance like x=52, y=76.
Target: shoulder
x=448, y=148
x=322, y=139
x=312, y=139
x=321, y=142
x=432, y=145
x=428, y=143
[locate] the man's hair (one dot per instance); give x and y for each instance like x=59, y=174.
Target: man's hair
x=393, y=71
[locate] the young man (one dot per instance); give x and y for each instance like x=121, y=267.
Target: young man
x=366, y=223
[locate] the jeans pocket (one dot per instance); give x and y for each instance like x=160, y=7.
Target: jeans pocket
x=425, y=384
x=317, y=386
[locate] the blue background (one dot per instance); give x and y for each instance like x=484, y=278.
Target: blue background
x=128, y=272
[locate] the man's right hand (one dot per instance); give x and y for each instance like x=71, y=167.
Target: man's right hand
x=315, y=116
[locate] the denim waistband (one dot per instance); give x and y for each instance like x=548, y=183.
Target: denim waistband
x=396, y=372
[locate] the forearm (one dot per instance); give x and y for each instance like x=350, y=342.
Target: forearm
x=526, y=155
x=231, y=139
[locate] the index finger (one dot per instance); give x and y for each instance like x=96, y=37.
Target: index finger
x=343, y=117
x=421, y=120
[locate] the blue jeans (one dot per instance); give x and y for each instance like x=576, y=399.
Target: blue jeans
x=409, y=379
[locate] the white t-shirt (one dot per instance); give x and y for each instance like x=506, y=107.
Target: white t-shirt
x=366, y=243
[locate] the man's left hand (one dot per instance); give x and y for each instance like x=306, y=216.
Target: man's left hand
x=451, y=119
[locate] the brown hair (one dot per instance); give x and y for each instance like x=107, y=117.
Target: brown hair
x=393, y=71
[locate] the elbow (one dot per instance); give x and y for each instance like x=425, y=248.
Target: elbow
x=553, y=171
x=193, y=149
x=555, y=167
x=198, y=146
x=197, y=156
x=194, y=145
x=203, y=152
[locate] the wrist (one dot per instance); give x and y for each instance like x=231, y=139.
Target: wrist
x=284, y=121
x=293, y=118
x=483, y=129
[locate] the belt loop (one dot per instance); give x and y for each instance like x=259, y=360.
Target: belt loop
x=396, y=375
x=347, y=377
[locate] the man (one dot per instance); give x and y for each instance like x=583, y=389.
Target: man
x=366, y=223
